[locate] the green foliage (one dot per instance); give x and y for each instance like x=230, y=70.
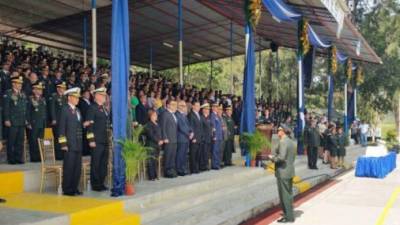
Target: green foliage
x=391, y=139
x=255, y=143
x=133, y=153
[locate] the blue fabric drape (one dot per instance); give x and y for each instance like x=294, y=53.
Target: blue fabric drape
x=280, y=11
x=308, y=63
x=315, y=40
x=120, y=61
x=377, y=167
x=350, y=108
x=341, y=58
x=248, y=120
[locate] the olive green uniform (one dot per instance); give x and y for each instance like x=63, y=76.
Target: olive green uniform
x=229, y=143
x=284, y=156
x=57, y=102
x=15, y=105
x=37, y=122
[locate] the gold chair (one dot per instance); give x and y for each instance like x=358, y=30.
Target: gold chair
x=85, y=176
x=48, y=162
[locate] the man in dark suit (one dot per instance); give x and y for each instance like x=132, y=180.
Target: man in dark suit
x=169, y=135
x=70, y=139
x=97, y=123
x=207, y=136
x=84, y=104
x=196, y=125
x=141, y=111
x=185, y=135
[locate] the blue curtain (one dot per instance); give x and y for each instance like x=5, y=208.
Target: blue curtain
x=308, y=63
x=280, y=11
x=120, y=62
x=315, y=40
x=248, y=120
x=350, y=108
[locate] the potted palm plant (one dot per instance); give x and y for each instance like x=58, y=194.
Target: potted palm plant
x=255, y=143
x=133, y=152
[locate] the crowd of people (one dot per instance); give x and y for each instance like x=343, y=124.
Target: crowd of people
x=325, y=140
x=189, y=125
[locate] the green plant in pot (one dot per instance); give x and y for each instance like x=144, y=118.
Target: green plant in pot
x=255, y=143
x=133, y=152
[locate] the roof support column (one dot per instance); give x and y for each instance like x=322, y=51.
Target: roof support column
x=259, y=70
x=211, y=74
x=231, y=52
x=151, y=61
x=180, y=43
x=94, y=37
x=84, y=41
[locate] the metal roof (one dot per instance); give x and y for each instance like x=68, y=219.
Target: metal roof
x=206, y=23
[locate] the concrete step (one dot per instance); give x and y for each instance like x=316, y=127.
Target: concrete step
x=227, y=177
x=191, y=185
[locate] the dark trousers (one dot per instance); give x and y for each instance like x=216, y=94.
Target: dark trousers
x=57, y=146
x=33, y=135
x=312, y=156
x=71, y=171
x=194, y=156
x=98, y=165
x=229, y=148
x=204, y=156
x=169, y=159
x=216, y=155
x=286, y=197
x=15, y=144
x=152, y=164
x=182, y=158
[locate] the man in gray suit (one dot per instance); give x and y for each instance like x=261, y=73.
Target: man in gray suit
x=283, y=156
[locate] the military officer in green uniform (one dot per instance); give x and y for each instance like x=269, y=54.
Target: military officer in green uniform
x=283, y=156
x=36, y=117
x=229, y=143
x=57, y=101
x=15, y=103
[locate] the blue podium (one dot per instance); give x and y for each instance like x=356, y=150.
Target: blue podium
x=377, y=167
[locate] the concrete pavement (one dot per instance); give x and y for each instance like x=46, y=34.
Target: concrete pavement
x=353, y=201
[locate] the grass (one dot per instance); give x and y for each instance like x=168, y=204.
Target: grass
x=386, y=127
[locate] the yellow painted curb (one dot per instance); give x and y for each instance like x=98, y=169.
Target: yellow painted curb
x=11, y=182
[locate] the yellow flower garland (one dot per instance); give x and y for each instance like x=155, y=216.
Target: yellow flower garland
x=305, y=42
x=359, y=77
x=334, y=61
x=349, y=69
x=254, y=10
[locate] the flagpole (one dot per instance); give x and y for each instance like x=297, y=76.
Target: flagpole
x=84, y=41
x=355, y=103
x=345, y=109
x=180, y=42
x=94, y=37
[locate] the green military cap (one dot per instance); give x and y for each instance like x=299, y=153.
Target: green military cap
x=61, y=84
x=17, y=79
x=38, y=85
